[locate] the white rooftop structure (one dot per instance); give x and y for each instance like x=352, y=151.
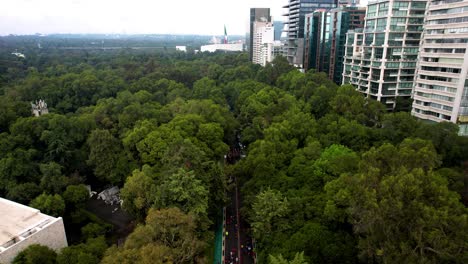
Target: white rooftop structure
x=22, y=226
x=18, y=54
x=39, y=108
x=223, y=47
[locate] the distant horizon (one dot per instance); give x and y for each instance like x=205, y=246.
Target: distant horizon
x=120, y=34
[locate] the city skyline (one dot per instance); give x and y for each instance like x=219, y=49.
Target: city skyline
x=24, y=17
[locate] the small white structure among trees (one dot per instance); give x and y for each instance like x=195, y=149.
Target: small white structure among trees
x=39, y=108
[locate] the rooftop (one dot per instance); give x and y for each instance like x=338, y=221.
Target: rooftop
x=19, y=220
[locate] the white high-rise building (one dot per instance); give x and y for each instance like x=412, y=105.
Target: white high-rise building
x=380, y=61
x=263, y=40
x=441, y=87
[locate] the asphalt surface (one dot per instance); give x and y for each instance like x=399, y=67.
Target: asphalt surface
x=238, y=245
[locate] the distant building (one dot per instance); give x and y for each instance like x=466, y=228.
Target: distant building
x=342, y=19
x=223, y=47
x=277, y=49
x=256, y=15
x=22, y=226
x=278, y=25
x=39, y=108
x=263, y=39
x=269, y=51
x=441, y=86
x=181, y=48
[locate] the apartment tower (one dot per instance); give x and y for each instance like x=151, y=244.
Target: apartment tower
x=263, y=39
x=381, y=60
x=441, y=88
x=256, y=15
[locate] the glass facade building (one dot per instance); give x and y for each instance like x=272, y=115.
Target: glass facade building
x=342, y=20
x=316, y=41
x=296, y=12
x=441, y=86
x=380, y=61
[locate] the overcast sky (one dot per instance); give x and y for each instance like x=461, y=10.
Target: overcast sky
x=204, y=17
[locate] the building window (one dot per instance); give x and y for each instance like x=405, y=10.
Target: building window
x=400, y=4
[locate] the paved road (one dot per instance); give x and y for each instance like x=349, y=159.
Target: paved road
x=238, y=245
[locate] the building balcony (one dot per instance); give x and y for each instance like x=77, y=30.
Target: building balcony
x=439, y=73
x=436, y=3
x=425, y=116
x=441, y=64
x=445, y=45
x=440, y=83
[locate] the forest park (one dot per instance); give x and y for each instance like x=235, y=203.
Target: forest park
x=328, y=175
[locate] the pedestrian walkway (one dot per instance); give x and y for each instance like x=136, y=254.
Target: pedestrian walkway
x=218, y=242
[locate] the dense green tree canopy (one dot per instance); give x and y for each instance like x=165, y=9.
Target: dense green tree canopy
x=49, y=204
x=36, y=254
x=326, y=171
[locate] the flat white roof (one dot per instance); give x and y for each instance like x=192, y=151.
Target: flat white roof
x=17, y=219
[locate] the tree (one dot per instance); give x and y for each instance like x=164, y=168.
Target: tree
x=85, y=253
x=298, y=259
x=206, y=88
x=93, y=230
x=49, y=204
x=23, y=193
x=138, y=192
x=398, y=126
x=320, y=100
x=168, y=234
x=321, y=244
x=352, y=105
x=148, y=254
x=36, y=254
x=104, y=155
x=399, y=208
x=58, y=141
x=52, y=180
x=212, y=134
x=76, y=196
x=184, y=190
x=444, y=137
x=268, y=207
x=457, y=180
x=10, y=110
x=334, y=161
x=270, y=73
